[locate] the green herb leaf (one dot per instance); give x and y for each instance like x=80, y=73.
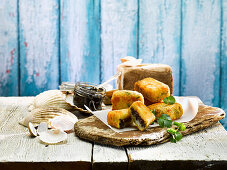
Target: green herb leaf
x=180, y=126
x=169, y=100
x=154, y=112
x=178, y=136
x=160, y=122
x=175, y=135
x=167, y=123
x=164, y=121
x=165, y=116
x=173, y=140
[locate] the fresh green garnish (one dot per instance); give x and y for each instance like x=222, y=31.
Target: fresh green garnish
x=169, y=100
x=154, y=112
x=164, y=121
x=175, y=135
x=180, y=126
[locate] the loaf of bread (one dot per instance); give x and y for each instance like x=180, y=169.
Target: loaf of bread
x=141, y=115
x=119, y=118
x=133, y=73
x=123, y=99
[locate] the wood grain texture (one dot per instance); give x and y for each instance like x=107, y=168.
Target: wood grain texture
x=38, y=46
x=119, y=34
x=203, y=149
x=8, y=48
x=223, y=93
x=93, y=129
x=200, y=50
x=16, y=145
x=80, y=40
x=159, y=34
x=109, y=157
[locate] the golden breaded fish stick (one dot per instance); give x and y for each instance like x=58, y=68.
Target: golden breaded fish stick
x=123, y=99
x=141, y=115
x=119, y=118
x=152, y=90
x=175, y=111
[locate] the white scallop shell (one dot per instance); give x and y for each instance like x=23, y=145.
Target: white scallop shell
x=38, y=115
x=42, y=127
x=32, y=129
x=57, y=99
x=51, y=98
x=53, y=136
x=64, y=122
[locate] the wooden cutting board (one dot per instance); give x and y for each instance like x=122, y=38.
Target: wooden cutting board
x=93, y=129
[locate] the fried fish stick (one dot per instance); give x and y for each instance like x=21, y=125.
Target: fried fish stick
x=141, y=115
x=175, y=111
x=123, y=99
x=152, y=90
x=119, y=118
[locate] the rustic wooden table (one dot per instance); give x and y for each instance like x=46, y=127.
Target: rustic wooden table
x=205, y=149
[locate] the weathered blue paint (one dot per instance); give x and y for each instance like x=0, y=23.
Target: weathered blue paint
x=38, y=46
x=159, y=34
x=201, y=50
x=223, y=93
x=80, y=41
x=8, y=48
x=85, y=40
x=119, y=34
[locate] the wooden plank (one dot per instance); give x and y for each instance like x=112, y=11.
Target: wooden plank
x=223, y=94
x=16, y=145
x=159, y=34
x=38, y=46
x=201, y=50
x=119, y=34
x=8, y=48
x=203, y=149
x=108, y=157
x=80, y=40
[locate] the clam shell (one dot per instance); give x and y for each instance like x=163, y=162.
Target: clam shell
x=32, y=129
x=64, y=122
x=53, y=136
x=38, y=115
x=42, y=127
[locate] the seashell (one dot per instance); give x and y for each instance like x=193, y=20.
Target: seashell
x=53, y=136
x=64, y=122
x=51, y=98
x=42, y=127
x=32, y=129
x=38, y=115
x=57, y=99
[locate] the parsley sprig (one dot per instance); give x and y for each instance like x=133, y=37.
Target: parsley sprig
x=169, y=100
x=165, y=121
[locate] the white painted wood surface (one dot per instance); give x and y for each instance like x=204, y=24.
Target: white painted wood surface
x=159, y=34
x=200, y=68
x=8, y=48
x=16, y=145
x=109, y=157
x=118, y=34
x=209, y=145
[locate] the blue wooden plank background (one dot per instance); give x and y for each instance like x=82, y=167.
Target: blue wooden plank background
x=43, y=43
